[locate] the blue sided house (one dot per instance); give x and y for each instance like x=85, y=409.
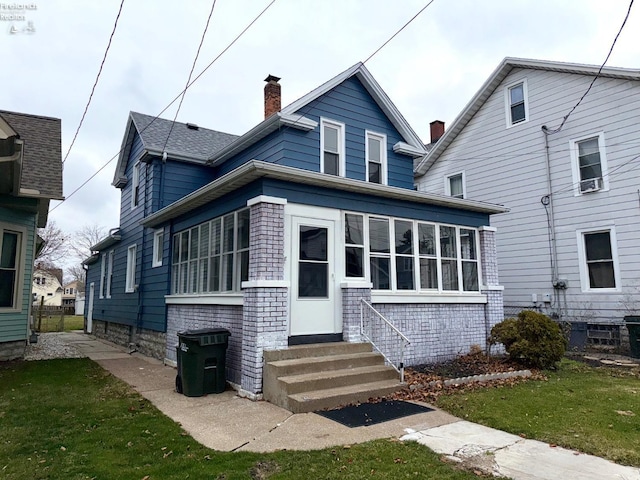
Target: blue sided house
x=30, y=176
x=302, y=237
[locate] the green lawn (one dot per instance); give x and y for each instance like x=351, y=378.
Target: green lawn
x=70, y=419
x=594, y=410
x=54, y=323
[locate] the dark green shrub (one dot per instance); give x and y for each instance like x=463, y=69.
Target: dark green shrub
x=532, y=339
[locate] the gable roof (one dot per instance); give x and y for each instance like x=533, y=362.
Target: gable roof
x=186, y=143
x=41, y=172
x=290, y=117
x=495, y=79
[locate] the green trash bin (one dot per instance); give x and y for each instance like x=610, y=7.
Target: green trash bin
x=201, y=361
x=633, y=325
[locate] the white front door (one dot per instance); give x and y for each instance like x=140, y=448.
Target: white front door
x=92, y=287
x=313, y=277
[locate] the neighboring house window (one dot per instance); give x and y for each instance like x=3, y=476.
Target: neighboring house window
x=598, y=260
x=158, y=244
x=454, y=185
x=212, y=257
x=589, y=164
x=103, y=272
x=10, y=258
x=332, y=147
x=135, y=186
x=130, y=278
x=109, y=273
x=516, y=103
x=376, y=155
x=422, y=256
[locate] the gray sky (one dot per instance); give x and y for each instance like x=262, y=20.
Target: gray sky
x=430, y=70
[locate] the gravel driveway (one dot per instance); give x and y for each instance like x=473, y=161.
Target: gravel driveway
x=50, y=345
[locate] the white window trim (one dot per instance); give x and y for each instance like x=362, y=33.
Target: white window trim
x=158, y=247
x=447, y=183
x=417, y=291
x=130, y=277
x=109, y=273
x=383, y=155
x=103, y=267
x=575, y=163
x=342, y=160
x=135, y=183
x=582, y=259
x=21, y=255
x=507, y=102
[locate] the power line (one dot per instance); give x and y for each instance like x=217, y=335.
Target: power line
x=193, y=66
x=93, y=89
x=566, y=117
x=169, y=105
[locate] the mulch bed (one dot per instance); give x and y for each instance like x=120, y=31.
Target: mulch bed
x=419, y=378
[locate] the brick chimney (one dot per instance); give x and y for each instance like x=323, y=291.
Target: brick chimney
x=272, y=97
x=437, y=130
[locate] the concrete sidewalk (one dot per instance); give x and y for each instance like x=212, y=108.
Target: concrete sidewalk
x=228, y=422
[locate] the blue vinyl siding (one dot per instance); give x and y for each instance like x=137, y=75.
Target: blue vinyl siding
x=269, y=149
x=181, y=179
x=13, y=325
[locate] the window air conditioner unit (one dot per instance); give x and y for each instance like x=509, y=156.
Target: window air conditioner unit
x=591, y=185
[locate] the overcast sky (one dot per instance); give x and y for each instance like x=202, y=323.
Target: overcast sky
x=430, y=70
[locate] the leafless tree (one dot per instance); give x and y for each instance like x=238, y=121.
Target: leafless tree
x=56, y=245
x=75, y=273
x=85, y=238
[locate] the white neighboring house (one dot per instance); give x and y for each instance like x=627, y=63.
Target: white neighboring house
x=570, y=244
x=47, y=286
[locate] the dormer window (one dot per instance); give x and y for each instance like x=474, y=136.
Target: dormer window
x=332, y=147
x=516, y=103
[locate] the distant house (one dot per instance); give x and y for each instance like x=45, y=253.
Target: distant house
x=30, y=176
x=569, y=244
x=47, y=286
x=70, y=293
x=285, y=234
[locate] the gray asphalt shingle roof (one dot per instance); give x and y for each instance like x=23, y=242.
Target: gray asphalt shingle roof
x=42, y=152
x=199, y=144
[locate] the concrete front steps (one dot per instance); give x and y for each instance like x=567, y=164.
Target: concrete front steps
x=305, y=378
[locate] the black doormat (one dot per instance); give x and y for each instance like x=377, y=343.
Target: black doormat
x=367, y=414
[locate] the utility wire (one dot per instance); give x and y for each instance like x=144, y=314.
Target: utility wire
x=169, y=105
x=86, y=108
x=195, y=60
x=566, y=117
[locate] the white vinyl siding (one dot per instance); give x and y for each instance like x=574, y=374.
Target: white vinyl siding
x=332, y=147
x=376, y=157
x=130, y=278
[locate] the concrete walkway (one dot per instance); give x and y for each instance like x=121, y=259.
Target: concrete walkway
x=228, y=422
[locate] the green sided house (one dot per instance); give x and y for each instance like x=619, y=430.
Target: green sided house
x=30, y=176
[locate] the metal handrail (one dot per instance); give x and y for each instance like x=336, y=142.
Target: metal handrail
x=385, y=350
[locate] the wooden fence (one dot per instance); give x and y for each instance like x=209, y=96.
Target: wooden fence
x=50, y=319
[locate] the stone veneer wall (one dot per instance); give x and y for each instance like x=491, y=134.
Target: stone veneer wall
x=189, y=317
x=12, y=350
x=148, y=342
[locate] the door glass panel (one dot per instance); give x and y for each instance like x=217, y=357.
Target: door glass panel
x=313, y=243
x=313, y=280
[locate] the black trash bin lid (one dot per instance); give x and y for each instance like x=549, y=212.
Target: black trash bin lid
x=201, y=332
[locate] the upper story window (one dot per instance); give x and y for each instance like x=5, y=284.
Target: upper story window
x=10, y=250
x=516, y=103
x=135, y=186
x=454, y=185
x=399, y=254
x=589, y=164
x=109, y=277
x=376, y=157
x=599, y=269
x=212, y=257
x=332, y=147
